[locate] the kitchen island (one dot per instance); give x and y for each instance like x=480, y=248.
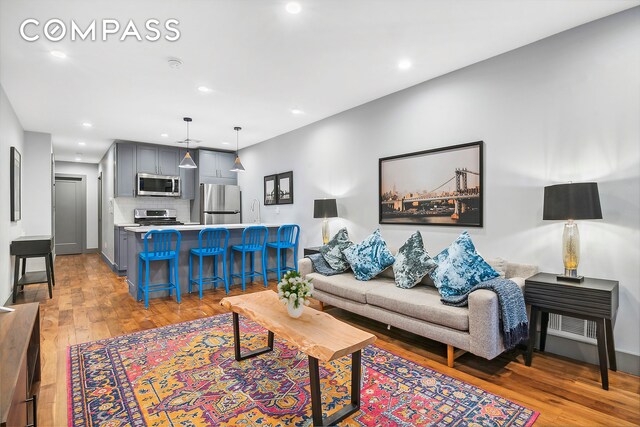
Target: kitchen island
x=158, y=270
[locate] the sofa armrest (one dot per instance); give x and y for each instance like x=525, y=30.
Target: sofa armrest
x=304, y=266
x=484, y=324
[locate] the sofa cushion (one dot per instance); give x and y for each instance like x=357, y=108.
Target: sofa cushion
x=332, y=251
x=412, y=262
x=346, y=286
x=421, y=302
x=369, y=257
x=460, y=267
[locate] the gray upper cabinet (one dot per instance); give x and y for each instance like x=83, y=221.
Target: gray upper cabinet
x=158, y=160
x=225, y=163
x=215, y=167
x=188, y=177
x=168, y=161
x=147, y=160
x=125, y=170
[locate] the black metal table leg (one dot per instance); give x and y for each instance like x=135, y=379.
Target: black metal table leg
x=53, y=277
x=316, y=396
x=236, y=342
x=532, y=335
x=16, y=272
x=611, y=349
x=602, y=353
x=544, y=324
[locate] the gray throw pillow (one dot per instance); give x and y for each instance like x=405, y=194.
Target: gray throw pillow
x=412, y=262
x=332, y=251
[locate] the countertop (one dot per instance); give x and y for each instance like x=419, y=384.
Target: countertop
x=138, y=225
x=195, y=227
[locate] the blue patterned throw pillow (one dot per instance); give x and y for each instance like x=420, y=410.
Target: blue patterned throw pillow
x=332, y=251
x=369, y=257
x=412, y=262
x=460, y=268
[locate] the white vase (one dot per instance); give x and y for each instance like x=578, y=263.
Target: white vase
x=293, y=311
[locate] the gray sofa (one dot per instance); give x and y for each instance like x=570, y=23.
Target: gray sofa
x=475, y=328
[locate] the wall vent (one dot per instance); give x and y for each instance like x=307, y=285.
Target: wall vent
x=569, y=327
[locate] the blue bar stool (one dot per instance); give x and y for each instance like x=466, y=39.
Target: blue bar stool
x=254, y=239
x=212, y=242
x=163, y=249
x=288, y=236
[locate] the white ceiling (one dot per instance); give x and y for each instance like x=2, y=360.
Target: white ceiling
x=259, y=60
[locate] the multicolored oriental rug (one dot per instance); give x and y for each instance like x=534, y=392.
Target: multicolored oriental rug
x=186, y=375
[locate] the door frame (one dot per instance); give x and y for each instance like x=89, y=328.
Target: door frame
x=83, y=198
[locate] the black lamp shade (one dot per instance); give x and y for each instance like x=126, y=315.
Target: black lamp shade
x=572, y=201
x=325, y=208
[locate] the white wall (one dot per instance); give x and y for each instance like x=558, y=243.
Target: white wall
x=90, y=170
x=565, y=108
x=36, y=192
x=11, y=135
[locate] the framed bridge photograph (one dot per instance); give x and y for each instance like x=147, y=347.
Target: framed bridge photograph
x=441, y=186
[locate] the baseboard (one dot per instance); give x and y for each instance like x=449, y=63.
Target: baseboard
x=91, y=251
x=108, y=262
x=586, y=352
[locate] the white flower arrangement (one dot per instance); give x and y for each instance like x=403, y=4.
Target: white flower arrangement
x=295, y=289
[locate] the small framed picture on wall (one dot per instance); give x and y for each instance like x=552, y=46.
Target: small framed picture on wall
x=285, y=188
x=270, y=190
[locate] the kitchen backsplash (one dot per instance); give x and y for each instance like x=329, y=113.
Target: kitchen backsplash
x=123, y=207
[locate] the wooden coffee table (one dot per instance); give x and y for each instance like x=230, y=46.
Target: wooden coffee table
x=317, y=334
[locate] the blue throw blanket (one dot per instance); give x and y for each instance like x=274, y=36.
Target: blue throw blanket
x=515, y=324
x=321, y=266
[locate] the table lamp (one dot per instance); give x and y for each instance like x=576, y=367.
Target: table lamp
x=325, y=209
x=570, y=202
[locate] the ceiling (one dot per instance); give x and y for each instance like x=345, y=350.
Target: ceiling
x=259, y=61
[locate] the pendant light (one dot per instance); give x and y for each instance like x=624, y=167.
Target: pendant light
x=187, y=162
x=237, y=165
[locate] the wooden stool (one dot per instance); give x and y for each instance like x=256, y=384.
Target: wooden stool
x=32, y=247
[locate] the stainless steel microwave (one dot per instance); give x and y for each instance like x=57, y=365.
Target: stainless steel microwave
x=158, y=185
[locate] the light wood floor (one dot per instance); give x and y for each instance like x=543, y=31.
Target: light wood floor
x=90, y=303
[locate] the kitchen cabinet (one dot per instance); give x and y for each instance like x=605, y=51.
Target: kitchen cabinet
x=188, y=177
x=215, y=167
x=125, y=170
x=120, y=249
x=147, y=160
x=157, y=160
x=168, y=161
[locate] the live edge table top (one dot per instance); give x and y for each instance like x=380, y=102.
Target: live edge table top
x=315, y=333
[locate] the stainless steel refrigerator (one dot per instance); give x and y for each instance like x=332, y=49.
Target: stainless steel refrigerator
x=220, y=204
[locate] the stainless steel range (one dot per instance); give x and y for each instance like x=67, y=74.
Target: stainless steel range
x=156, y=217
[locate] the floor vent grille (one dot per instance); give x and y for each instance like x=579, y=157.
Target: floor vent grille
x=569, y=327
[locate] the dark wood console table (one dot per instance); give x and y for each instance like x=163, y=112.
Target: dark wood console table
x=20, y=361
x=32, y=247
x=593, y=299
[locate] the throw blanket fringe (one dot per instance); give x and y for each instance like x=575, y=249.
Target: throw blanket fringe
x=515, y=324
x=321, y=266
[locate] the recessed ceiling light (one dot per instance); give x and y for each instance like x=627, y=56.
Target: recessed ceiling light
x=405, y=64
x=87, y=125
x=58, y=54
x=164, y=135
x=82, y=143
x=296, y=111
x=78, y=159
x=174, y=63
x=226, y=143
x=204, y=89
x=293, y=7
